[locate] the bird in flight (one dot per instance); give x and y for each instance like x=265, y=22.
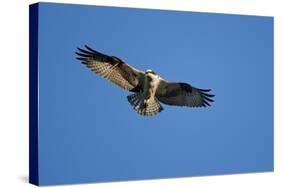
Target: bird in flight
x=149, y=89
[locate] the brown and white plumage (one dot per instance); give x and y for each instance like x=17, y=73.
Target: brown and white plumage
x=183, y=94
x=149, y=88
x=110, y=67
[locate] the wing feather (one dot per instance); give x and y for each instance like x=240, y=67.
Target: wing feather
x=183, y=94
x=110, y=67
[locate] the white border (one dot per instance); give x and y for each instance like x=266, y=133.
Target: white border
x=14, y=91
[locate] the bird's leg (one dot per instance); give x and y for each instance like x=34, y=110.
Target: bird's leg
x=145, y=103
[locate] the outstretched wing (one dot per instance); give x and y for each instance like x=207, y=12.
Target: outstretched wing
x=110, y=67
x=183, y=94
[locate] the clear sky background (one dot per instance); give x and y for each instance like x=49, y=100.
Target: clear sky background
x=89, y=132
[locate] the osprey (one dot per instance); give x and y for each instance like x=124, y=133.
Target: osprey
x=149, y=88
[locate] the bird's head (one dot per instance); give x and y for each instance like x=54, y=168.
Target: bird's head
x=150, y=71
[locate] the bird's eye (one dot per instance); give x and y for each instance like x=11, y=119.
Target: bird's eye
x=150, y=71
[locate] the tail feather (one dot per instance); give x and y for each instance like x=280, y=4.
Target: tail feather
x=135, y=99
x=144, y=107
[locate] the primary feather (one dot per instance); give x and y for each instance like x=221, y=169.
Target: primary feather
x=110, y=67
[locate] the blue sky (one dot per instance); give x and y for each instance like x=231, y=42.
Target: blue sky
x=89, y=132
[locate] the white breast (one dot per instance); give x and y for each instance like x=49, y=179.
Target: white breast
x=155, y=80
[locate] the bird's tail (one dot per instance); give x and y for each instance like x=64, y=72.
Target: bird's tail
x=144, y=107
